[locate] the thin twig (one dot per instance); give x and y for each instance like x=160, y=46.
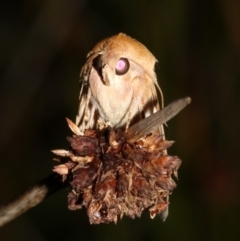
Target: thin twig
x=30, y=198
x=149, y=124
x=52, y=184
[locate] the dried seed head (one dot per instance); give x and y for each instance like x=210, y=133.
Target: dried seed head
x=113, y=178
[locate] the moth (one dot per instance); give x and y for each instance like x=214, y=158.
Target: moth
x=118, y=84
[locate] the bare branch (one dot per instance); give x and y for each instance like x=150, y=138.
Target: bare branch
x=30, y=198
x=152, y=122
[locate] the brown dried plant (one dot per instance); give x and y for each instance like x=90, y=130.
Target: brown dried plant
x=112, y=177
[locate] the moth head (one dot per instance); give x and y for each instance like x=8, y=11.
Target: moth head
x=121, y=58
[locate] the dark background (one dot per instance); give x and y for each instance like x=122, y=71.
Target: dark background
x=43, y=45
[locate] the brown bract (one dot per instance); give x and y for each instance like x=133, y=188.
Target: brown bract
x=113, y=178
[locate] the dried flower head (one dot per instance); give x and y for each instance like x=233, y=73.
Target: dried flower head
x=112, y=177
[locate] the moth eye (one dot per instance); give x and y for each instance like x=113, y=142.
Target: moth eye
x=97, y=63
x=122, y=66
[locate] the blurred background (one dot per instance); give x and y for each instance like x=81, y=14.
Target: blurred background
x=43, y=45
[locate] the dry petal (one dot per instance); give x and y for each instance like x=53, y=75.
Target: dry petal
x=61, y=169
x=61, y=152
x=73, y=127
x=80, y=159
x=158, y=209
